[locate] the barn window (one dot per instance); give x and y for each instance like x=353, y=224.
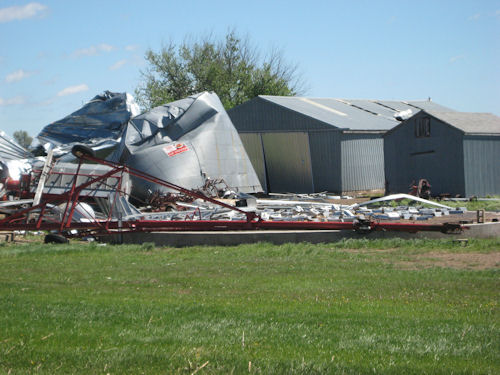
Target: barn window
x=423, y=127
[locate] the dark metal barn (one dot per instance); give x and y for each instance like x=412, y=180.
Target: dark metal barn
x=459, y=153
x=308, y=145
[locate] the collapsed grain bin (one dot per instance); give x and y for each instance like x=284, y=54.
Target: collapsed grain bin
x=186, y=142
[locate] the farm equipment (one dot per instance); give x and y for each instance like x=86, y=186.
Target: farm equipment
x=92, y=200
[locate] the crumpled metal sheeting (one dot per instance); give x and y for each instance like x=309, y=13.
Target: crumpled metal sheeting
x=103, y=117
x=14, y=160
x=102, y=148
x=11, y=150
x=16, y=168
x=183, y=168
x=165, y=124
x=186, y=142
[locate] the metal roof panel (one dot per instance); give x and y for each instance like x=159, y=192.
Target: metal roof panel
x=353, y=114
x=470, y=122
x=335, y=112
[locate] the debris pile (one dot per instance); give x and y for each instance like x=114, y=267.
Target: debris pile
x=108, y=170
x=304, y=208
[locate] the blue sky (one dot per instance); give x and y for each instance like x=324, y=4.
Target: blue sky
x=56, y=55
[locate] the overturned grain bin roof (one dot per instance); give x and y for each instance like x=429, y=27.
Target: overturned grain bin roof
x=103, y=117
x=187, y=142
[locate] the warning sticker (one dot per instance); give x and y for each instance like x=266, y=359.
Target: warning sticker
x=174, y=149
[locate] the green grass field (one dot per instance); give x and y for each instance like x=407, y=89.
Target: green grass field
x=389, y=306
x=473, y=205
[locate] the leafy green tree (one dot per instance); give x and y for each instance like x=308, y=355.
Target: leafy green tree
x=232, y=68
x=22, y=137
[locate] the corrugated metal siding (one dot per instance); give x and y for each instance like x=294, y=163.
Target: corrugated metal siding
x=482, y=165
x=437, y=158
x=325, y=158
x=253, y=147
x=259, y=115
x=362, y=162
x=288, y=162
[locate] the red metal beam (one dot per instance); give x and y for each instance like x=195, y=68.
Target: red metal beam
x=236, y=225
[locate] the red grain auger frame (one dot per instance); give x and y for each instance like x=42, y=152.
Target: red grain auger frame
x=35, y=218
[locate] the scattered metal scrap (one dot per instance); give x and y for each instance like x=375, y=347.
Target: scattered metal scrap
x=160, y=202
x=71, y=213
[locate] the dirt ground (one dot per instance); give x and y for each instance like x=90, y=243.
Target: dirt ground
x=468, y=216
x=465, y=260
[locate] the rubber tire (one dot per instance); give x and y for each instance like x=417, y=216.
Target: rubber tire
x=82, y=150
x=55, y=238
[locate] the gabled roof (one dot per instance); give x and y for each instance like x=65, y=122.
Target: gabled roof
x=470, y=122
x=353, y=114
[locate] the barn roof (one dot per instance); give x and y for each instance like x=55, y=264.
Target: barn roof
x=354, y=114
x=470, y=122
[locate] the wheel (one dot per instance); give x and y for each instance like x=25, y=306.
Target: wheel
x=82, y=150
x=55, y=238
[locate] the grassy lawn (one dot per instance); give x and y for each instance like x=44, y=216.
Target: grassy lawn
x=491, y=205
x=388, y=306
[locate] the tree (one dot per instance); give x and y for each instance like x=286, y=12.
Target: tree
x=232, y=68
x=22, y=137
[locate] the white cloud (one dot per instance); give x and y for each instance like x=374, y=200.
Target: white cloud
x=105, y=47
x=73, y=90
x=18, y=75
x=117, y=65
x=16, y=100
x=131, y=47
x=93, y=50
x=21, y=12
x=475, y=17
